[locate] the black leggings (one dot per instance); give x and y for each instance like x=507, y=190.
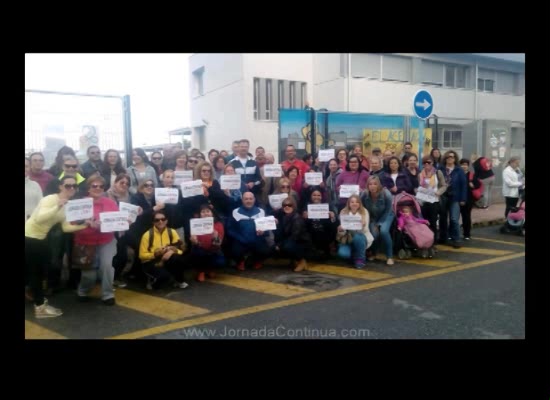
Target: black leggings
x=37, y=252
x=511, y=202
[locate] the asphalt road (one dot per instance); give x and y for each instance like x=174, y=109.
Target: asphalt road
x=476, y=292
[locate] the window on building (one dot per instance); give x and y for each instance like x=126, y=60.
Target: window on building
x=292, y=94
x=256, y=97
x=303, y=94
x=486, y=80
x=452, y=139
x=431, y=73
x=396, y=68
x=450, y=76
x=365, y=65
x=198, y=86
x=281, y=94
x=268, y=98
x=455, y=76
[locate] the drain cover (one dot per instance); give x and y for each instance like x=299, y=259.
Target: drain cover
x=315, y=282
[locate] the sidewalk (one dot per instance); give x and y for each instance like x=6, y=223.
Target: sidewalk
x=494, y=215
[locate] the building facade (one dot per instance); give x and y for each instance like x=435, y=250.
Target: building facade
x=477, y=98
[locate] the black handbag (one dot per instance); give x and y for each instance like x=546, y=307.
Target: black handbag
x=83, y=256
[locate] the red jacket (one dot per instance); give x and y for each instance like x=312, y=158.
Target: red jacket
x=205, y=241
x=91, y=236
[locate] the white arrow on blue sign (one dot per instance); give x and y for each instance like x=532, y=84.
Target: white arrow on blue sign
x=423, y=104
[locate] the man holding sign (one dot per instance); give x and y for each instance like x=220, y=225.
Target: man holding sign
x=245, y=237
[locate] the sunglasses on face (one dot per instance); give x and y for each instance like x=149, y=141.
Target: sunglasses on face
x=192, y=161
x=95, y=152
x=124, y=183
x=70, y=186
x=427, y=162
x=159, y=219
x=205, y=170
x=288, y=205
x=74, y=166
x=284, y=186
x=148, y=185
x=156, y=158
x=38, y=159
x=97, y=186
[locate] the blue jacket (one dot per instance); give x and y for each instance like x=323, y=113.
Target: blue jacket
x=241, y=225
x=380, y=210
x=458, y=188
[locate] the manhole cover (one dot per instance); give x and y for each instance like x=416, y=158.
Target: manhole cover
x=315, y=282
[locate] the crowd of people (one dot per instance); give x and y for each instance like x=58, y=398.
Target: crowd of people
x=346, y=209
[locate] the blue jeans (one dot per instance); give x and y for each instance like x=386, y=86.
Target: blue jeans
x=454, y=215
x=384, y=234
x=358, y=247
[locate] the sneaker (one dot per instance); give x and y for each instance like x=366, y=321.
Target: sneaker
x=359, y=263
x=457, y=245
x=257, y=265
x=109, y=302
x=181, y=285
x=371, y=258
x=150, y=283
x=424, y=253
x=201, y=277
x=46, y=311
x=240, y=266
x=467, y=238
x=390, y=261
x=120, y=283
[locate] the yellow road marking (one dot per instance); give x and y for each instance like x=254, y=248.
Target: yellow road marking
x=307, y=298
x=35, y=331
x=348, y=272
x=499, y=241
x=256, y=285
x=157, y=306
x=473, y=250
x=429, y=262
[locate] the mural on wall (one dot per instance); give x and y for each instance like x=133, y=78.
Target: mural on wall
x=347, y=130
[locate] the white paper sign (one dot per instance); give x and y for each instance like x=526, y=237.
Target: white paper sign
x=347, y=190
x=326, y=155
x=166, y=195
x=314, y=178
x=202, y=226
x=79, y=209
x=265, y=224
x=276, y=200
x=340, y=144
x=273, y=170
x=351, y=222
x=230, y=181
x=114, y=221
x=131, y=209
x=317, y=211
x=182, y=176
x=426, y=194
x=301, y=145
x=191, y=188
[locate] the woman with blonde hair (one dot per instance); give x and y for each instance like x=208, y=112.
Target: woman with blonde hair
x=378, y=202
x=354, y=243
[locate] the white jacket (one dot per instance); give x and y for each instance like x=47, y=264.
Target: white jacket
x=366, y=230
x=510, y=182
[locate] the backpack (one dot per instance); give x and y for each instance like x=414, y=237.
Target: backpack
x=476, y=193
x=485, y=164
x=170, y=236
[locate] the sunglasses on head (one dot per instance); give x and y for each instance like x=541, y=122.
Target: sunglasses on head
x=74, y=166
x=159, y=219
x=70, y=186
x=97, y=186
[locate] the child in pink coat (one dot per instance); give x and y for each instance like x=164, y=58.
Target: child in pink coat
x=406, y=215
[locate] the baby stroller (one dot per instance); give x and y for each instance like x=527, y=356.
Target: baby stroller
x=515, y=222
x=406, y=242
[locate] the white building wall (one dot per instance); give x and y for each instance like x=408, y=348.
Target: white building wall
x=326, y=67
x=501, y=107
x=330, y=95
x=222, y=90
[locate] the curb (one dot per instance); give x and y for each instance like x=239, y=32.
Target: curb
x=498, y=221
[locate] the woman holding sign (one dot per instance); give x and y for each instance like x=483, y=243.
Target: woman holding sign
x=353, y=235
x=321, y=228
x=102, y=244
x=378, y=202
x=292, y=239
x=353, y=176
x=50, y=211
x=206, y=251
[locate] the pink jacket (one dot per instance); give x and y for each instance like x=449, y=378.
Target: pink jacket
x=401, y=220
x=93, y=236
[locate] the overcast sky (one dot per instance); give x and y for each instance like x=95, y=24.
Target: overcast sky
x=158, y=85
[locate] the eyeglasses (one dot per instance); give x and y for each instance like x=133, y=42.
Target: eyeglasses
x=427, y=162
x=159, y=219
x=192, y=161
x=156, y=158
x=70, y=186
x=205, y=170
x=95, y=152
x=73, y=166
x=450, y=157
x=97, y=186
x=37, y=159
x=288, y=205
x=148, y=185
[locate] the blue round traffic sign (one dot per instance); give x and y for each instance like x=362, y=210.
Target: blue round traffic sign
x=423, y=104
